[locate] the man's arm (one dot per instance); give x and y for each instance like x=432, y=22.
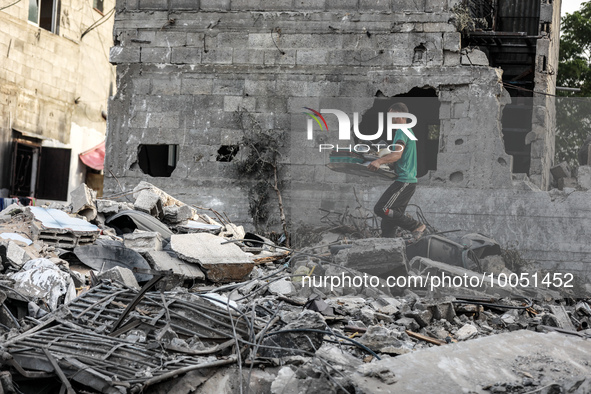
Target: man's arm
x=387, y=159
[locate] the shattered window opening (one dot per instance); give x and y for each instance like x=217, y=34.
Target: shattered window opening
x=226, y=153
x=158, y=160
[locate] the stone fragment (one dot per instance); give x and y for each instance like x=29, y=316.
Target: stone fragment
x=409, y=323
x=494, y=264
x=11, y=252
x=380, y=339
x=109, y=207
x=386, y=305
x=149, y=202
x=285, y=378
x=561, y=170
x=282, y=287
x=83, y=202
x=163, y=261
x=232, y=231
x=466, y=332
x=177, y=214
x=221, y=262
x=423, y=318
x=122, y=275
x=474, y=57
x=375, y=256
x=143, y=241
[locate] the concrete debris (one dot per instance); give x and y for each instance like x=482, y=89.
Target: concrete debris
x=165, y=305
x=122, y=275
x=375, y=256
x=222, y=261
x=164, y=261
x=143, y=241
x=561, y=170
x=149, y=203
x=83, y=202
x=12, y=253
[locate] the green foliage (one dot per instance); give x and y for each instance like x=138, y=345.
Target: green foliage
x=464, y=22
x=573, y=116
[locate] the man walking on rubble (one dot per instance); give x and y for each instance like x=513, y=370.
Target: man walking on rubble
x=391, y=206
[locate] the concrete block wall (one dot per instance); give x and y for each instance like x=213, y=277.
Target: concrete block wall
x=184, y=69
x=50, y=81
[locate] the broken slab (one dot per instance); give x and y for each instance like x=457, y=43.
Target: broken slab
x=105, y=257
x=473, y=365
x=381, y=339
x=177, y=214
x=57, y=228
x=163, y=261
x=375, y=256
x=473, y=57
x=149, y=203
x=83, y=202
x=109, y=207
x=11, y=252
x=143, y=241
x=120, y=274
x=222, y=261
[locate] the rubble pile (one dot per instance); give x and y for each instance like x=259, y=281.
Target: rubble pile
x=154, y=296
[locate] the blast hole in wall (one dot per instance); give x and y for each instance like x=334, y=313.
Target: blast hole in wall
x=457, y=176
x=459, y=141
x=226, y=153
x=158, y=160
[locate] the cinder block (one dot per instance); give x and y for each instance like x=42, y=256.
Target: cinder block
x=374, y=5
x=120, y=55
x=149, y=202
x=310, y=5
x=276, y=57
x=228, y=86
x=259, y=87
x=186, y=55
x=234, y=103
x=342, y=5
x=196, y=86
x=452, y=41
x=143, y=241
x=217, y=56
x=248, y=56
x=166, y=86
x=184, y=4
x=215, y=5
x=120, y=274
x=153, y=4
x=169, y=39
x=311, y=57
x=155, y=55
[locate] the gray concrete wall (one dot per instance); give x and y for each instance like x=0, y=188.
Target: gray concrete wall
x=184, y=70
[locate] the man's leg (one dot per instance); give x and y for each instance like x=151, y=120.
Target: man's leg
x=391, y=206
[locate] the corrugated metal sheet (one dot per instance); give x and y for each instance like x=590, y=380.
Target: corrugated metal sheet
x=519, y=16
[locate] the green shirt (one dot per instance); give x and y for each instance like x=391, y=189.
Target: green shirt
x=406, y=167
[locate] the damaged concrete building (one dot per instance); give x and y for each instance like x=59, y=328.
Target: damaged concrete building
x=185, y=68
x=55, y=80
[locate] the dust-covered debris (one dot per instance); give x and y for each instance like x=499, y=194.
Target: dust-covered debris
x=167, y=297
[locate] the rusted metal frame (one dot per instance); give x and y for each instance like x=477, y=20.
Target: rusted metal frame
x=99, y=302
x=136, y=300
x=58, y=371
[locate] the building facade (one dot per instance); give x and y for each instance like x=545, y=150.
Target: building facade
x=186, y=69
x=55, y=81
